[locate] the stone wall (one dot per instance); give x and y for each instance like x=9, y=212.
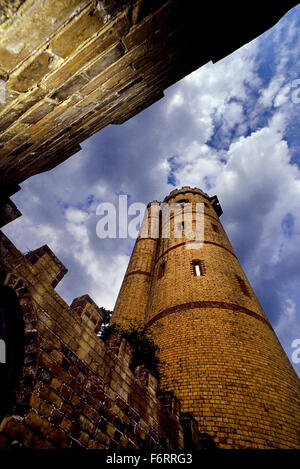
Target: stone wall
x=74, y=390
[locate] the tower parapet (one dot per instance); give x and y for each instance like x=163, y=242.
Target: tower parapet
x=185, y=190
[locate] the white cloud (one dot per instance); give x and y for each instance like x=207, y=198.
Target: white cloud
x=75, y=215
x=287, y=321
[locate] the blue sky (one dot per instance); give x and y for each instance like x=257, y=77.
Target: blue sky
x=230, y=128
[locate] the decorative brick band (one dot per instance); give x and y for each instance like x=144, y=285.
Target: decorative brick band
x=194, y=241
x=142, y=272
x=207, y=304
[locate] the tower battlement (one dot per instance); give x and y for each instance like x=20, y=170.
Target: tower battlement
x=185, y=190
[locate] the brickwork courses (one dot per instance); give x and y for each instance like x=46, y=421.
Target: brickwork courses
x=221, y=356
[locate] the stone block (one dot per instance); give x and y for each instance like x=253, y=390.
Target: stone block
x=59, y=438
x=79, y=30
x=36, y=422
x=28, y=31
x=103, y=41
x=107, y=59
x=38, y=112
x=147, y=28
x=31, y=74
x=18, y=431
x=50, y=396
x=73, y=85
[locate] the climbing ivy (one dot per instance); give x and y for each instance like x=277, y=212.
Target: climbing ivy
x=144, y=348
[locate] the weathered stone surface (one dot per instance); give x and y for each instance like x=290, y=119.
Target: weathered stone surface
x=32, y=27
x=38, y=113
x=108, y=36
x=82, y=28
x=105, y=61
x=32, y=74
x=73, y=85
x=8, y=8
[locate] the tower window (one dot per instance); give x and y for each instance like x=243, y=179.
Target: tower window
x=161, y=270
x=198, y=268
x=242, y=285
x=215, y=228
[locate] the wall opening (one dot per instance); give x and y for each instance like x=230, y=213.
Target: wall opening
x=198, y=268
x=12, y=347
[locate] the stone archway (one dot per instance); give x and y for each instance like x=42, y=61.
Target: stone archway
x=19, y=323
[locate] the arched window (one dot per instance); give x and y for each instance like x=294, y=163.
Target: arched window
x=2, y=351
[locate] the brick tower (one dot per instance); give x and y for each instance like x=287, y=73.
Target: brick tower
x=221, y=356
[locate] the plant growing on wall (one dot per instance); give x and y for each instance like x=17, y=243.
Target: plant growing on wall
x=144, y=348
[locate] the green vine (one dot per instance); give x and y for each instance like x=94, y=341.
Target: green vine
x=144, y=348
